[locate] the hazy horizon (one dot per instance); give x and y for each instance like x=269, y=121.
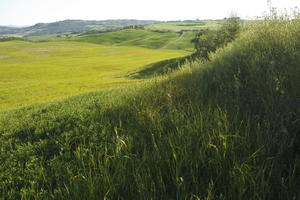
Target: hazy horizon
x=21, y=13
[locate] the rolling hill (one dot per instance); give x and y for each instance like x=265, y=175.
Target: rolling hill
x=71, y=26
x=227, y=128
x=40, y=72
x=35, y=71
x=189, y=25
x=142, y=38
x=127, y=37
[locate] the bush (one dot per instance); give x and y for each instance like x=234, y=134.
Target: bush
x=208, y=41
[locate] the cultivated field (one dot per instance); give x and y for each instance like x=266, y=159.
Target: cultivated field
x=40, y=72
x=176, y=26
x=142, y=38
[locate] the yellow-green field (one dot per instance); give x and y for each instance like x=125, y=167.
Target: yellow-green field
x=177, y=26
x=41, y=72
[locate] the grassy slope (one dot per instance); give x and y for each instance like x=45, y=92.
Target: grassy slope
x=39, y=72
x=182, y=42
x=131, y=37
x=227, y=129
x=179, y=26
x=168, y=35
x=50, y=37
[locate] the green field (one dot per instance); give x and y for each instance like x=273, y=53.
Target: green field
x=176, y=26
x=141, y=38
x=182, y=42
x=131, y=37
x=41, y=72
x=50, y=37
x=223, y=129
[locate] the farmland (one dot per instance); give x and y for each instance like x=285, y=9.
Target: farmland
x=193, y=25
x=40, y=72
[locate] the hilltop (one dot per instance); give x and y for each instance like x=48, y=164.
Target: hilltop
x=71, y=26
x=93, y=26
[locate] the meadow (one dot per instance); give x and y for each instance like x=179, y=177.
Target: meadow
x=141, y=38
x=41, y=72
x=223, y=128
x=193, y=25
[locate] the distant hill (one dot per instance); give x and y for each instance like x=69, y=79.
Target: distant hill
x=71, y=26
x=130, y=37
x=6, y=28
x=141, y=38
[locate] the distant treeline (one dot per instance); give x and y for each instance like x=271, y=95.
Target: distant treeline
x=4, y=39
x=109, y=30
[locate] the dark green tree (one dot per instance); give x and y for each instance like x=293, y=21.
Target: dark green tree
x=207, y=41
x=230, y=29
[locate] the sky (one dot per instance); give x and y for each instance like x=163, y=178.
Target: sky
x=29, y=12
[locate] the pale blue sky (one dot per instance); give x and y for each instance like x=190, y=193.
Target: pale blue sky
x=29, y=12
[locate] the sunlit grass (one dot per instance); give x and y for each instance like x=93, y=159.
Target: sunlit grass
x=40, y=72
x=179, y=26
x=130, y=37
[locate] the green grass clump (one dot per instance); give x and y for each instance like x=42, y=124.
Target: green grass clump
x=224, y=129
x=41, y=72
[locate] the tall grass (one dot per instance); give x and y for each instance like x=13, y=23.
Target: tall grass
x=225, y=129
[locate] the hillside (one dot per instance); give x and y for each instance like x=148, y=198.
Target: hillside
x=40, y=72
x=227, y=128
x=127, y=37
x=6, y=28
x=71, y=26
x=142, y=38
x=189, y=25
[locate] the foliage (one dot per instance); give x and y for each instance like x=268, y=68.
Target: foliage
x=5, y=39
x=230, y=29
x=207, y=41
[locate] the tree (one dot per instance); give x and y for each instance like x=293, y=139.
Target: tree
x=207, y=41
x=204, y=43
x=230, y=29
